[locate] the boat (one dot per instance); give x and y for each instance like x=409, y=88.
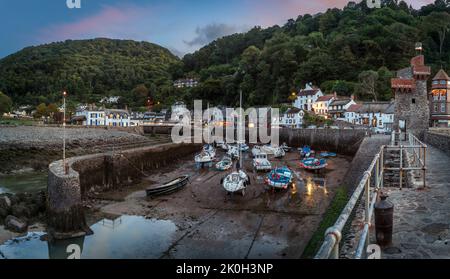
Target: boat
x=279, y=152
x=327, y=154
x=203, y=159
x=236, y=181
x=225, y=164
x=209, y=149
x=244, y=147
x=256, y=150
x=279, y=178
x=306, y=152
x=169, y=187
x=313, y=163
x=222, y=145
x=233, y=151
x=285, y=147
x=261, y=163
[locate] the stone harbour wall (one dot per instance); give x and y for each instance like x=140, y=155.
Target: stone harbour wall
x=99, y=172
x=439, y=141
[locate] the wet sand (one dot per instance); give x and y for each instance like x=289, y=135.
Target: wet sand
x=212, y=224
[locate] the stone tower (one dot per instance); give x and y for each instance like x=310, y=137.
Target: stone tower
x=411, y=97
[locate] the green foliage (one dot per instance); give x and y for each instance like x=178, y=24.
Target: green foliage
x=89, y=70
x=313, y=119
x=5, y=104
x=329, y=218
x=340, y=49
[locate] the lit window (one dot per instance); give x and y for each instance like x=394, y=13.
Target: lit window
x=443, y=82
x=443, y=107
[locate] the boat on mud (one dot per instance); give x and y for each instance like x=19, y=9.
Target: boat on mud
x=233, y=151
x=313, y=163
x=243, y=147
x=261, y=163
x=279, y=178
x=285, y=147
x=210, y=149
x=276, y=151
x=236, y=182
x=225, y=164
x=306, y=152
x=326, y=154
x=168, y=187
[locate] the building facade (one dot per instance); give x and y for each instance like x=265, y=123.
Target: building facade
x=322, y=105
x=112, y=118
x=439, y=100
x=292, y=118
x=307, y=97
x=339, y=106
x=412, y=112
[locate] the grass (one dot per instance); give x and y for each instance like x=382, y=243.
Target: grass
x=329, y=218
x=16, y=122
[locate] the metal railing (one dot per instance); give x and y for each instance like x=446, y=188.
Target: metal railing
x=333, y=235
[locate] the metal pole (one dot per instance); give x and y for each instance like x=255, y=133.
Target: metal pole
x=401, y=166
x=424, y=166
x=64, y=133
x=367, y=186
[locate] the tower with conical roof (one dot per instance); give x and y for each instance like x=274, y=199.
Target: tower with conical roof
x=439, y=100
x=412, y=112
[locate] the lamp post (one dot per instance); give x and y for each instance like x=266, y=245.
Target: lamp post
x=64, y=132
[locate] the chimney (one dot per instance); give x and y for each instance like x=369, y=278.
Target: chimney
x=352, y=97
x=335, y=94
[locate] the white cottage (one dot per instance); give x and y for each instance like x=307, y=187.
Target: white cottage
x=307, y=97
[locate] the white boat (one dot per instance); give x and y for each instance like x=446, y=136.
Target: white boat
x=225, y=164
x=233, y=151
x=243, y=147
x=256, y=150
x=236, y=181
x=222, y=145
x=203, y=157
x=277, y=151
x=210, y=149
x=261, y=163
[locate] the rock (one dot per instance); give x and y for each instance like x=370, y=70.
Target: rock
x=5, y=202
x=15, y=224
x=21, y=210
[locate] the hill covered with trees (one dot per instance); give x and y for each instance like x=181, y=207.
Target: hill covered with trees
x=89, y=70
x=354, y=50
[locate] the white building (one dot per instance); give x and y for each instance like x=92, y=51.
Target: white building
x=307, y=97
x=352, y=114
x=339, y=106
x=181, y=83
x=179, y=110
x=292, y=118
x=110, y=100
x=110, y=117
x=378, y=115
x=322, y=104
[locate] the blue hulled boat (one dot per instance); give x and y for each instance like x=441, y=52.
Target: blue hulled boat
x=327, y=154
x=279, y=178
x=313, y=163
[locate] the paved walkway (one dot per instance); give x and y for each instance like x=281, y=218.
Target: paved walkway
x=422, y=217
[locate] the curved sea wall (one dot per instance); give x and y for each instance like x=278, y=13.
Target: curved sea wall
x=99, y=172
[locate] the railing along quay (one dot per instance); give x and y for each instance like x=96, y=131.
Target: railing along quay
x=331, y=245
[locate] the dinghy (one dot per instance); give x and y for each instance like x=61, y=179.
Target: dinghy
x=313, y=163
x=279, y=178
x=236, y=181
x=285, y=147
x=169, y=187
x=279, y=152
x=243, y=147
x=203, y=159
x=209, y=149
x=327, y=154
x=261, y=163
x=233, y=152
x=225, y=164
x=306, y=152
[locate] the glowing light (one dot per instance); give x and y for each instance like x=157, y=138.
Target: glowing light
x=251, y=125
x=309, y=186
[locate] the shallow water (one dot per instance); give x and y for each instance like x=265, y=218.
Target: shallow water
x=23, y=182
x=127, y=237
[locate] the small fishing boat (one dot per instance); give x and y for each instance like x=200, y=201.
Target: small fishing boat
x=169, y=187
x=313, y=163
x=225, y=164
x=261, y=163
x=268, y=149
x=256, y=150
x=279, y=152
x=327, y=154
x=233, y=152
x=285, y=147
x=279, y=178
x=306, y=152
x=236, y=181
x=203, y=159
x=209, y=149
x=222, y=145
x=244, y=147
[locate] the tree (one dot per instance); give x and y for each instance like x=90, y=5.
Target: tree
x=438, y=22
x=140, y=94
x=5, y=104
x=367, y=84
x=41, y=111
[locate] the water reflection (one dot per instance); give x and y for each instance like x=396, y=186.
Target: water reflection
x=23, y=182
x=128, y=237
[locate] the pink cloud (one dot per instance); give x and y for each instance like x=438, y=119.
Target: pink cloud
x=109, y=22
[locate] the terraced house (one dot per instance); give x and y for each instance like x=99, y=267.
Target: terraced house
x=439, y=99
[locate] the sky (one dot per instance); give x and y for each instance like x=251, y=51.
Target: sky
x=182, y=26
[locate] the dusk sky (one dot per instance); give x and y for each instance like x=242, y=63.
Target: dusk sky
x=180, y=25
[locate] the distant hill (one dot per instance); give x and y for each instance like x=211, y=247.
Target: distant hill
x=87, y=69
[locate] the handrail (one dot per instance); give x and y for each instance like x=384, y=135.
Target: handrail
x=376, y=170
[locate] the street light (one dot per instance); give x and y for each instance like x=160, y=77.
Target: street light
x=64, y=133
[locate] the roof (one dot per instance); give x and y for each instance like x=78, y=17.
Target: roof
x=293, y=110
x=325, y=98
x=377, y=107
x=441, y=75
x=354, y=108
x=340, y=102
x=403, y=83
x=79, y=118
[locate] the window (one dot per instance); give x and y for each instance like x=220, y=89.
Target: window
x=436, y=97
x=435, y=82
x=413, y=100
x=380, y=123
x=442, y=107
x=443, y=82
x=435, y=108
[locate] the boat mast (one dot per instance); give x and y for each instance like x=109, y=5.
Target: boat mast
x=240, y=127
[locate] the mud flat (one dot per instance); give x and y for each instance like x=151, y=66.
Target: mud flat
x=212, y=224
